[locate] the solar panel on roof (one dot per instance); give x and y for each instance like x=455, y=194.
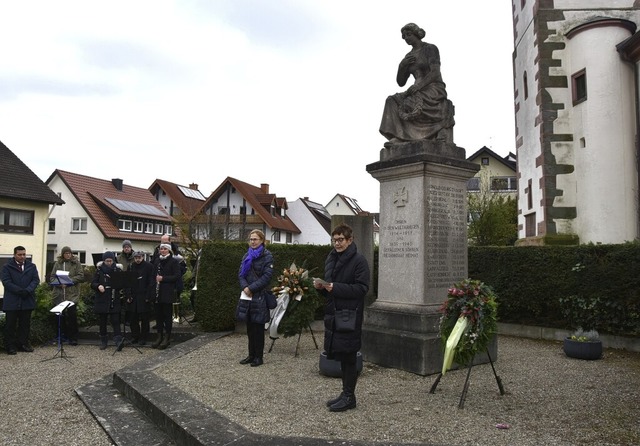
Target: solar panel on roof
x=138, y=208
x=192, y=193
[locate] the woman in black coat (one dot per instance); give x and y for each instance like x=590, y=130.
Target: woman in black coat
x=107, y=299
x=167, y=273
x=346, y=275
x=255, y=274
x=139, y=297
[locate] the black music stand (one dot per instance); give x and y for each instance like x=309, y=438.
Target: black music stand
x=59, y=310
x=122, y=280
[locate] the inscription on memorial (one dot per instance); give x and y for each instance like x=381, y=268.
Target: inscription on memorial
x=402, y=240
x=446, y=235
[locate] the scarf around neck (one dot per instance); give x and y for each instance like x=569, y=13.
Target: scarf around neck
x=252, y=254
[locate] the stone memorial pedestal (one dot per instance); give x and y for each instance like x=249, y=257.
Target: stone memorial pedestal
x=422, y=252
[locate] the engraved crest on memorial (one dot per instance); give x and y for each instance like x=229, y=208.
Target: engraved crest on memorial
x=401, y=197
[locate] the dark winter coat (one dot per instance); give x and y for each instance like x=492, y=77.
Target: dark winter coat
x=258, y=279
x=140, y=298
x=109, y=300
x=19, y=286
x=169, y=269
x=76, y=274
x=349, y=273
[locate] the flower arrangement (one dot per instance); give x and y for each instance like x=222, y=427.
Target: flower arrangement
x=470, y=314
x=297, y=302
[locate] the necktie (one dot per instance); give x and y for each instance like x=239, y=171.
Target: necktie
x=21, y=265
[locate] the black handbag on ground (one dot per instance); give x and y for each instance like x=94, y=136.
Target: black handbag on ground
x=345, y=320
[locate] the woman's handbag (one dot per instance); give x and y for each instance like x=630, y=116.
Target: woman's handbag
x=345, y=320
x=271, y=300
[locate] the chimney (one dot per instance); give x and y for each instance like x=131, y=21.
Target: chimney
x=193, y=186
x=117, y=183
x=265, y=188
x=305, y=198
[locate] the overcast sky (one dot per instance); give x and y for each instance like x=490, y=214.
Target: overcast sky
x=284, y=92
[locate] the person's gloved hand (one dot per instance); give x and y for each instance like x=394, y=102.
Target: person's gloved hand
x=24, y=293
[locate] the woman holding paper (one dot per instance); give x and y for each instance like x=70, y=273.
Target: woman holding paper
x=67, y=272
x=255, y=274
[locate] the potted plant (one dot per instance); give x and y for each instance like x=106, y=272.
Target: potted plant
x=583, y=345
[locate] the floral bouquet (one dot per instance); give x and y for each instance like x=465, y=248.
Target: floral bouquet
x=297, y=302
x=468, y=322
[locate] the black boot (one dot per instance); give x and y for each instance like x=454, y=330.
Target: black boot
x=335, y=400
x=165, y=342
x=157, y=342
x=348, y=401
x=257, y=362
x=249, y=359
x=103, y=342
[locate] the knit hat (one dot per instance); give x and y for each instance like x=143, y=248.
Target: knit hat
x=165, y=245
x=108, y=255
x=138, y=254
x=65, y=249
x=127, y=242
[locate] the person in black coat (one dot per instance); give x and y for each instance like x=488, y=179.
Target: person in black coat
x=167, y=273
x=255, y=274
x=20, y=280
x=346, y=275
x=107, y=299
x=139, y=298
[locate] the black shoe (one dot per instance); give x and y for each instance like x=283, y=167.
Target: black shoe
x=347, y=402
x=335, y=400
x=257, y=362
x=12, y=351
x=25, y=348
x=247, y=360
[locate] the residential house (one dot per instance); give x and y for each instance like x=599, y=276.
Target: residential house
x=576, y=103
x=25, y=204
x=343, y=205
x=496, y=175
x=235, y=208
x=178, y=200
x=313, y=220
x=100, y=214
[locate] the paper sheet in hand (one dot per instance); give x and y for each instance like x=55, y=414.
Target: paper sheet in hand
x=61, y=307
x=243, y=296
x=320, y=281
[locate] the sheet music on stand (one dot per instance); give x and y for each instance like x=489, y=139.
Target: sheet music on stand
x=62, y=306
x=61, y=278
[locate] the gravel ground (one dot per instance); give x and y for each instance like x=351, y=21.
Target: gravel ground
x=550, y=399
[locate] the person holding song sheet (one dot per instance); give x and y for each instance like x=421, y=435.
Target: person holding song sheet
x=107, y=299
x=67, y=272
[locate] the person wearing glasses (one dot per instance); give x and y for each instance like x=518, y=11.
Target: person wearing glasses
x=107, y=299
x=346, y=282
x=255, y=274
x=167, y=273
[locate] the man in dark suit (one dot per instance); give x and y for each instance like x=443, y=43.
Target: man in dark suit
x=20, y=280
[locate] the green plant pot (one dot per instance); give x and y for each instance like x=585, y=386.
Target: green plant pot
x=582, y=349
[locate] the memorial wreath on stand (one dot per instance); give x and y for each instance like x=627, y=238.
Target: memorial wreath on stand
x=468, y=322
x=297, y=303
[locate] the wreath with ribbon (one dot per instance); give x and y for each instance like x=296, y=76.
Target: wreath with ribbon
x=468, y=323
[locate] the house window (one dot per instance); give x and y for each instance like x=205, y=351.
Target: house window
x=579, y=86
x=82, y=257
x=503, y=184
x=78, y=225
x=289, y=237
x=125, y=225
x=148, y=228
x=168, y=230
x=52, y=226
x=530, y=225
x=138, y=226
x=526, y=86
x=159, y=228
x=529, y=195
x=485, y=161
x=473, y=184
x=276, y=236
x=16, y=221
